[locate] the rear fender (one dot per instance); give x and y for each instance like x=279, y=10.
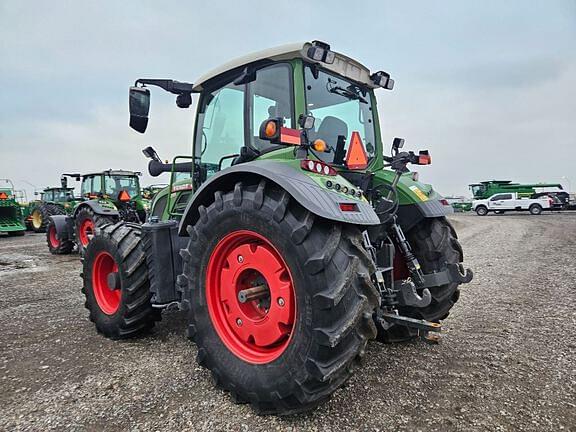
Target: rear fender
x=64, y=227
x=417, y=201
x=320, y=201
x=101, y=207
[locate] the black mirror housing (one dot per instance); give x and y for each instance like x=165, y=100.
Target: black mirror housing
x=139, y=105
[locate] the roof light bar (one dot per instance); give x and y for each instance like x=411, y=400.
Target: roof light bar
x=320, y=52
x=382, y=79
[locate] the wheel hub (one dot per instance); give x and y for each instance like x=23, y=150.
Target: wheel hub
x=54, y=242
x=106, y=283
x=250, y=296
x=36, y=219
x=86, y=231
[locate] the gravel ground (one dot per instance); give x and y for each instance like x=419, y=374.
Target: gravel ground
x=507, y=360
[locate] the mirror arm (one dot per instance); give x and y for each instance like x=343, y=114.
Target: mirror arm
x=171, y=86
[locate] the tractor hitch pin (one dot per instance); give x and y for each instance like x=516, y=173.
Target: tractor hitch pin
x=254, y=293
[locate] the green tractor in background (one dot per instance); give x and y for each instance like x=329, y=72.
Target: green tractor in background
x=53, y=201
x=106, y=197
x=149, y=192
x=11, y=212
x=288, y=236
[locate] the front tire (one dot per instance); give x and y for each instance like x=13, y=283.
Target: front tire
x=434, y=243
x=86, y=223
x=481, y=211
x=116, y=284
x=319, y=297
x=57, y=246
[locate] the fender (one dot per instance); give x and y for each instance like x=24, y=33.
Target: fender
x=322, y=202
x=417, y=200
x=64, y=227
x=97, y=208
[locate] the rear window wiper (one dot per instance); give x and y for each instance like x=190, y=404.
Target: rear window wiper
x=347, y=94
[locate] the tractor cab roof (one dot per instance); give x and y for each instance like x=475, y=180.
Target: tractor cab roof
x=342, y=65
x=48, y=189
x=112, y=172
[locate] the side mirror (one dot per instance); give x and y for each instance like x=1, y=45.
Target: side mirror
x=306, y=121
x=150, y=153
x=397, y=143
x=64, y=182
x=139, y=103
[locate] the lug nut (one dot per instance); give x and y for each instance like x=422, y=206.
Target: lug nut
x=281, y=301
x=239, y=322
x=240, y=259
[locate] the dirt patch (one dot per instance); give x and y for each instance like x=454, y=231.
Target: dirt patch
x=507, y=360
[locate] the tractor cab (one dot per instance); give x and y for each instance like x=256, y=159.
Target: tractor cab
x=116, y=185
x=58, y=195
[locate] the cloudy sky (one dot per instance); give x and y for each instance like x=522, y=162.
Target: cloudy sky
x=489, y=87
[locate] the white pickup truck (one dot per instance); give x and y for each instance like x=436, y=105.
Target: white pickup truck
x=503, y=202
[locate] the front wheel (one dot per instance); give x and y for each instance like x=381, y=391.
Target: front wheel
x=281, y=302
x=86, y=222
x=434, y=243
x=116, y=283
x=481, y=211
x=57, y=246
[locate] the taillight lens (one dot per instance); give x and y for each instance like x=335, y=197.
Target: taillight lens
x=317, y=167
x=349, y=207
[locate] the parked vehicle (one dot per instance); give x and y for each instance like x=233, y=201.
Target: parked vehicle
x=11, y=216
x=295, y=245
x=53, y=201
x=501, y=203
x=106, y=196
x=486, y=189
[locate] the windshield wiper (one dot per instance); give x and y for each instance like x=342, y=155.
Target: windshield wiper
x=350, y=94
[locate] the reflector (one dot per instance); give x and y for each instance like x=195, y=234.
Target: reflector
x=124, y=196
x=356, y=158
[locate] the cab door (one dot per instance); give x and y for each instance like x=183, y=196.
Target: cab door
x=501, y=202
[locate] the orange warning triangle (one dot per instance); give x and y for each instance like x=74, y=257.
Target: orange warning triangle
x=356, y=158
x=124, y=196
x=3, y=195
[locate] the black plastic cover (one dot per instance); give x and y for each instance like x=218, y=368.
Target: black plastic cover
x=162, y=246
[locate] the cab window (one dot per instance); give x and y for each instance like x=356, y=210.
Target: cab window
x=229, y=117
x=270, y=96
x=220, y=129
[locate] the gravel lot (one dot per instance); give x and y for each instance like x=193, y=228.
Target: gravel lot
x=507, y=360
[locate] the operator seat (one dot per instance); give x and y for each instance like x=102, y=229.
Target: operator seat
x=329, y=130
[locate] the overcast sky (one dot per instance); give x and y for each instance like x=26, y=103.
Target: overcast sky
x=489, y=87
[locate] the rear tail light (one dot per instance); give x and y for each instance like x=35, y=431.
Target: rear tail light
x=317, y=167
x=349, y=207
x=444, y=202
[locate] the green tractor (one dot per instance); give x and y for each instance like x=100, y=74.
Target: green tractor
x=106, y=197
x=11, y=213
x=53, y=201
x=292, y=240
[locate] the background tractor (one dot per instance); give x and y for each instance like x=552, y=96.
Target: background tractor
x=11, y=215
x=299, y=240
x=106, y=197
x=53, y=201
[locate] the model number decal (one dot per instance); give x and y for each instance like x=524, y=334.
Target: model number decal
x=419, y=193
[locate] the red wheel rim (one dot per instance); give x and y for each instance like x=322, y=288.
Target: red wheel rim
x=86, y=231
x=54, y=242
x=108, y=299
x=256, y=331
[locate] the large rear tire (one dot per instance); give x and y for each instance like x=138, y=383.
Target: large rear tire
x=434, y=242
x=40, y=216
x=116, y=284
x=288, y=351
